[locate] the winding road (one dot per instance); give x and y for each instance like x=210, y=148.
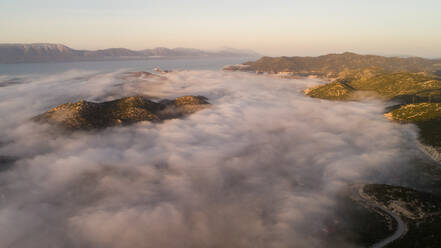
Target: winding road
x=400, y=231
x=401, y=226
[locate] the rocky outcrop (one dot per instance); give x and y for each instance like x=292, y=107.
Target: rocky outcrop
x=141, y=75
x=332, y=91
x=238, y=67
x=84, y=115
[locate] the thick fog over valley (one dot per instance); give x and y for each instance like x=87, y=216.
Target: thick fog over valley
x=258, y=168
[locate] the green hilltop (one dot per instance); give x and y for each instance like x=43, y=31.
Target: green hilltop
x=427, y=116
x=332, y=91
x=416, y=112
x=404, y=86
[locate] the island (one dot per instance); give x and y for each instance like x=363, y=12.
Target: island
x=85, y=115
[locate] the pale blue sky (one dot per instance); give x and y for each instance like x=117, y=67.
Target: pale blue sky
x=272, y=27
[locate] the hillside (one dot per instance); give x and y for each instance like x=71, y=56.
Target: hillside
x=331, y=65
x=420, y=211
x=427, y=116
x=405, y=86
x=398, y=84
x=86, y=115
x=27, y=53
x=332, y=91
x=414, y=83
x=416, y=112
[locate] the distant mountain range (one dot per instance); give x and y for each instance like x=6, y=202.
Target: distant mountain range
x=28, y=53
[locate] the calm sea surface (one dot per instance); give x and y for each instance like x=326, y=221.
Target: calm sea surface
x=108, y=66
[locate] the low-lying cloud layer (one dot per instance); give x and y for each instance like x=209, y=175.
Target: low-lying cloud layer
x=256, y=169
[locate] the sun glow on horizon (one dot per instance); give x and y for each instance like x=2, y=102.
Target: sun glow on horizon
x=271, y=28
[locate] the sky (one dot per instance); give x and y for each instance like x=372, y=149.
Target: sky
x=276, y=27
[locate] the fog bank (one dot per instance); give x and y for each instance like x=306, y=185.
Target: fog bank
x=256, y=169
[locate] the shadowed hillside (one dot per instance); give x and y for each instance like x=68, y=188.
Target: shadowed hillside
x=420, y=211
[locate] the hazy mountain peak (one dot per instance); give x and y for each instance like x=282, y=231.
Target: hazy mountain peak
x=47, y=52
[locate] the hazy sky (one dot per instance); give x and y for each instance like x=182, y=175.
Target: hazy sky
x=276, y=27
